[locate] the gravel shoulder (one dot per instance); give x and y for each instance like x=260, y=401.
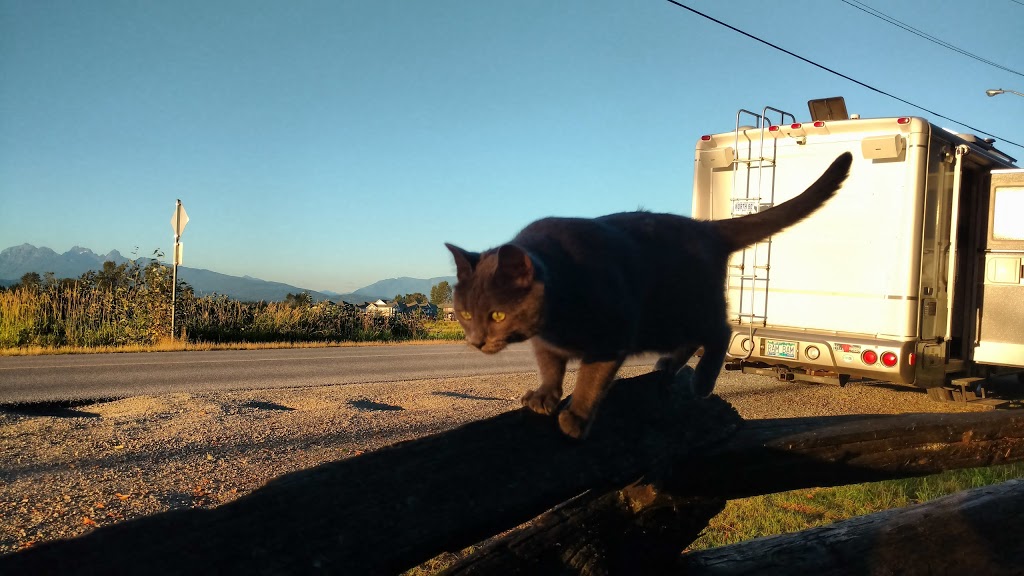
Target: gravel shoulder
x=66, y=470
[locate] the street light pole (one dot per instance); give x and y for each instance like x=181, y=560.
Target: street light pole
x=998, y=91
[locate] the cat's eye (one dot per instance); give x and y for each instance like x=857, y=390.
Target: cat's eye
x=466, y=315
x=497, y=316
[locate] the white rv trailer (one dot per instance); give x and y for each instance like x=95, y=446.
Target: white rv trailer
x=912, y=273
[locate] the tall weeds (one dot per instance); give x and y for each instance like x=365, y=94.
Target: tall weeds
x=220, y=319
x=130, y=305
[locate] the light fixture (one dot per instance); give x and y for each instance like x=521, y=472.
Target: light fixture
x=998, y=91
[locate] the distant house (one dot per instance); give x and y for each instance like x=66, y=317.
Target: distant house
x=357, y=307
x=420, y=307
x=383, y=308
x=448, y=310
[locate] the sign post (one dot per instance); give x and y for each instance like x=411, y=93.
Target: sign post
x=178, y=222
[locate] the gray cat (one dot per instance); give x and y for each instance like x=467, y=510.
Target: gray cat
x=605, y=288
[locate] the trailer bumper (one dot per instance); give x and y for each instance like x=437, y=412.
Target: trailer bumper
x=825, y=356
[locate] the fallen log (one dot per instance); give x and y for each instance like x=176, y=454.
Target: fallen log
x=971, y=532
x=391, y=509
x=775, y=455
x=597, y=534
x=638, y=530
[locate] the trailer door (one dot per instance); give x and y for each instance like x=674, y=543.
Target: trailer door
x=1000, y=307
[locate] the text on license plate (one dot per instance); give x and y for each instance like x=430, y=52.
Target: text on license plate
x=780, y=349
x=744, y=207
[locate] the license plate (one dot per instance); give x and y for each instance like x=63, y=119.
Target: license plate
x=780, y=349
x=744, y=207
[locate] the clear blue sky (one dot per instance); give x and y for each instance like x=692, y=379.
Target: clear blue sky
x=330, y=144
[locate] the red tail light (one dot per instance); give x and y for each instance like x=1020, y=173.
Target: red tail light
x=889, y=359
x=912, y=359
x=819, y=124
x=706, y=138
x=773, y=128
x=869, y=357
x=903, y=120
x=796, y=126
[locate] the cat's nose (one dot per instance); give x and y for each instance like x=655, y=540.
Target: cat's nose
x=478, y=344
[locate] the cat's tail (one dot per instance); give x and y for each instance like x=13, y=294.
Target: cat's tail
x=745, y=230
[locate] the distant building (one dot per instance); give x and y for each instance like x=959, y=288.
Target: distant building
x=386, y=308
x=420, y=307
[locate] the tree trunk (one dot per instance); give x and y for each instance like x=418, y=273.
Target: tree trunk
x=786, y=454
x=972, y=532
x=632, y=531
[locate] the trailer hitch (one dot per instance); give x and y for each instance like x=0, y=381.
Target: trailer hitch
x=785, y=374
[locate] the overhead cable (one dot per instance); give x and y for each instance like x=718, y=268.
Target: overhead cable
x=841, y=75
x=869, y=10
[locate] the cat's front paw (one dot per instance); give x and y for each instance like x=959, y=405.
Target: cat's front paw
x=542, y=401
x=572, y=425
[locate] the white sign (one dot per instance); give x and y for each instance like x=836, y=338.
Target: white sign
x=743, y=206
x=179, y=250
x=179, y=219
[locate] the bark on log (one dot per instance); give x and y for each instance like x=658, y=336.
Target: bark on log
x=972, y=532
x=638, y=530
x=393, y=508
x=775, y=455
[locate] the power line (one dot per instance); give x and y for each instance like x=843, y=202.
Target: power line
x=881, y=16
x=841, y=75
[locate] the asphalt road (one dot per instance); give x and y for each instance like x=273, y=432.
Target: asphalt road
x=25, y=379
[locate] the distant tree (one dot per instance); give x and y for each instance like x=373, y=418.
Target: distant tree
x=300, y=300
x=111, y=276
x=440, y=293
x=30, y=281
x=410, y=298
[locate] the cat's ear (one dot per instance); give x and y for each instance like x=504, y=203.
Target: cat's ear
x=515, y=268
x=465, y=261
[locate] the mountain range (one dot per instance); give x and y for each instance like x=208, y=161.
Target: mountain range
x=16, y=261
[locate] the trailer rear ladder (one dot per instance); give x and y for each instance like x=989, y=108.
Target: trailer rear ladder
x=750, y=162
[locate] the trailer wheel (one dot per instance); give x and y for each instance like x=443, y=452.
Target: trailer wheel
x=940, y=394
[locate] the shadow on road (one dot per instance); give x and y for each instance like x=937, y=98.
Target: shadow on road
x=372, y=406
x=258, y=405
x=467, y=396
x=59, y=409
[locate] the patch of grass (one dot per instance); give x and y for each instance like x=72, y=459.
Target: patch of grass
x=443, y=330
x=797, y=510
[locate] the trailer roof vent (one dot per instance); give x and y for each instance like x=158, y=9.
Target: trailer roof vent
x=833, y=108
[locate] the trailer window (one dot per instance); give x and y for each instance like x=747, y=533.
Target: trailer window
x=1008, y=214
